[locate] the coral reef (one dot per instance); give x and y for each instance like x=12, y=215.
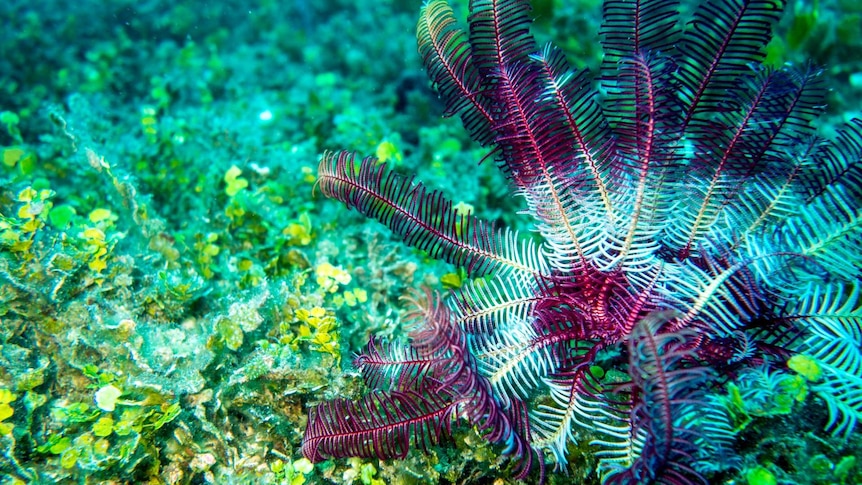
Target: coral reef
x=175, y=294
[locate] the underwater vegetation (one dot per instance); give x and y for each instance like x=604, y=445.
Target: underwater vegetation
x=691, y=227
x=168, y=295
x=176, y=293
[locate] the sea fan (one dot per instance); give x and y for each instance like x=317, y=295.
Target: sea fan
x=692, y=222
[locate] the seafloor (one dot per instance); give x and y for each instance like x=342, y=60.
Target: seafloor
x=174, y=295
